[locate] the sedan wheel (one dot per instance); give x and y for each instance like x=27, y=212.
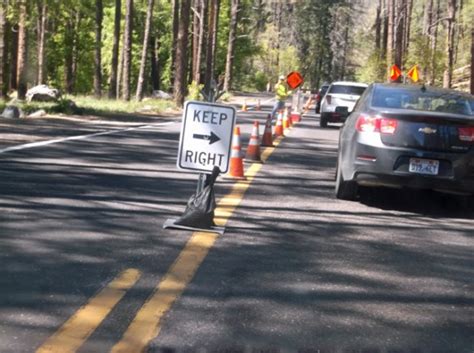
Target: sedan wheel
x=345, y=190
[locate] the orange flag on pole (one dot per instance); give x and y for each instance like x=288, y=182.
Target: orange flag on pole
x=414, y=74
x=395, y=73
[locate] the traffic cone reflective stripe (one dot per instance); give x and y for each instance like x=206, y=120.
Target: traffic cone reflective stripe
x=286, y=124
x=267, y=139
x=244, y=106
x=236, y=169
x=279, y=124
x=290, y=122
x=253, y=149
x=295, y=116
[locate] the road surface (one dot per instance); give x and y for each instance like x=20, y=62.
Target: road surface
x=87, y=267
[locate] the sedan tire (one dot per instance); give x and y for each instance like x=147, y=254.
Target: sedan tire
x=345, y=190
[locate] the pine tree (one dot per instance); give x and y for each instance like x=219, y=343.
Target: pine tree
x=115, y=51
x=22, y=50
x=182, y=53
x=146, y=44
x=127, y=51
x=98, y=48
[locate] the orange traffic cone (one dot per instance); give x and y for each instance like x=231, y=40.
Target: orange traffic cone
x=244, y=106
x=295, y=116
x=253, y=149
x=258, y=107
x=286, y=123
x=267, y=139
x=236, y=170
x=279, y=124
x=290, y=121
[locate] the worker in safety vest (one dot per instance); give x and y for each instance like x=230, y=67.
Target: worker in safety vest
x=281, y=93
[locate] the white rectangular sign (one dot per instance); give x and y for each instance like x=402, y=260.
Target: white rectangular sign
x=206, y=136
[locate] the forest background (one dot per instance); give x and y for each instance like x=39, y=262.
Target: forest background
x=128, y=49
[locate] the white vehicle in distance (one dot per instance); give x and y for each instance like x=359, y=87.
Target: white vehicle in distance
x=339, y=101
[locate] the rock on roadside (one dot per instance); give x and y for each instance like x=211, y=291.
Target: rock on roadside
x=37, y=114
x=43, y=93
x=12, y=112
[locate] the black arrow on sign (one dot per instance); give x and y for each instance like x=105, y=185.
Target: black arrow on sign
x=211, y=138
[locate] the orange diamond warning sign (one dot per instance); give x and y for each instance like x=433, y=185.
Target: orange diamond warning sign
x=294, y=79
x=414, y=74
x=395, y=73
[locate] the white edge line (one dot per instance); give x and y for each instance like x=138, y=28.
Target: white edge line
x=80, y=137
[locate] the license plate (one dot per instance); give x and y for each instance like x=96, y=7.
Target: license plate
x=424, y=166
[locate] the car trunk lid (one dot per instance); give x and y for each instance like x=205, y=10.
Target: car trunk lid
x=430, y=132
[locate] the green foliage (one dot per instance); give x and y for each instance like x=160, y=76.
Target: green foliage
x=313, y=30
x=225, y=97
x=374, y=70
x=261, y=80
x=323, y=39
x=194, y=91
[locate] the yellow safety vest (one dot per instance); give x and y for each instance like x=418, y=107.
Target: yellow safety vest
x=280, y=92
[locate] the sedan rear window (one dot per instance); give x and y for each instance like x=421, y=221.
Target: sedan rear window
x=343, y=89
x=436, y=101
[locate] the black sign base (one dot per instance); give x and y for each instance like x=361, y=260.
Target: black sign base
x=171, y=225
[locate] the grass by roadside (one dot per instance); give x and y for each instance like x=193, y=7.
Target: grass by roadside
x=85, y=105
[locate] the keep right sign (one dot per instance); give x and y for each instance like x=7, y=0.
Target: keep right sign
x=206, y=136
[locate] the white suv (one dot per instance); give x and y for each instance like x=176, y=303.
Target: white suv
x=340, y=95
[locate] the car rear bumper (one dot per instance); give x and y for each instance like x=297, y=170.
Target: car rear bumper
x=375, y=166
x=333, y=117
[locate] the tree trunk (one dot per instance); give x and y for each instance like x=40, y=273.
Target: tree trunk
x=155, y=68
x=200, y=45
x=98, y=47
x=278, y=10
x=234, y=11
x=434, y=43
x=389, y=36
x=344, y=55
x=43, y=20
x=115, y=50
x=409, y=12
x=120, y=69
x=383, y=52
x=3, y=8
x=378, y=26
x=399, y=30
x=427, y=30
x=22, y=51
x=146, y=40
x=14, y=57
x=196, y=7
x=75, y=50
x=174, y=44
x=448, y=68
x=211, y=44
x=472, y=59
x=182, y=53
x=127, y=50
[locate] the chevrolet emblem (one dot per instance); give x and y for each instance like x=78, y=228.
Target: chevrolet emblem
x=427, y=130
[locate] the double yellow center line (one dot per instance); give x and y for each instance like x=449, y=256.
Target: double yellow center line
x=147, y=323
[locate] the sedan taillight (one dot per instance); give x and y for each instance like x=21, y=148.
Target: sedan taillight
x=466, y=134
x=367, y=123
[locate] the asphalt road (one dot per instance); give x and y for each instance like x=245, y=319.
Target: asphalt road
x=296, y=270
